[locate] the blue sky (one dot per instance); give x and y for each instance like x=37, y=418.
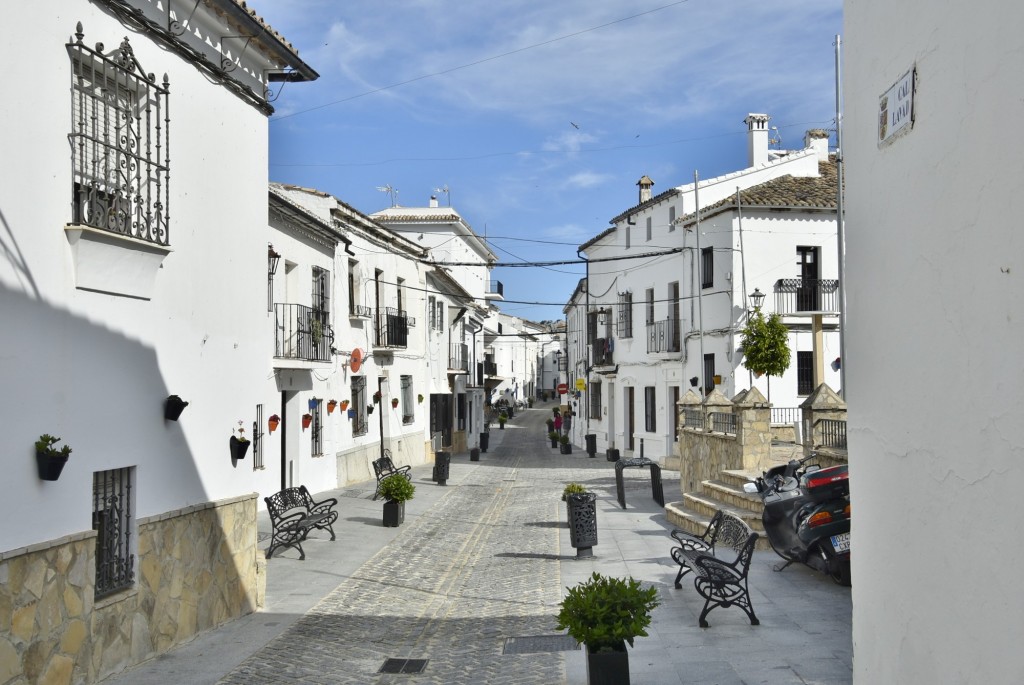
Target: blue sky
x=540, y=117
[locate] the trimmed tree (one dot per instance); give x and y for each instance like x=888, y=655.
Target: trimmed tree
x=765, y=345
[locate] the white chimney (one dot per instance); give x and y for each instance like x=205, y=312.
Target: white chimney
x=757, y=139
x=433, y=200
x=817, y=138
x=645, y=184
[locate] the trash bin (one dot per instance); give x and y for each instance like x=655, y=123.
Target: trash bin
x=611, y=454
x=442, y=463
x=591, y=439
x=474, y=454
x=485, y=439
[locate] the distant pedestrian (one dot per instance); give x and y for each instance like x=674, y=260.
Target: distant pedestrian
x=567, y=422
x=558, y=423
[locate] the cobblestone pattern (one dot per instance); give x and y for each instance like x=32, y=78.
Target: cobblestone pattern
x=480, y=567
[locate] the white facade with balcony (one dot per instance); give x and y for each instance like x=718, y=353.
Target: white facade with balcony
x=671, y=319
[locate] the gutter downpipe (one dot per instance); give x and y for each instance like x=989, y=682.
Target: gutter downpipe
x=700, y=280
x=586, y=333
x=840, y=235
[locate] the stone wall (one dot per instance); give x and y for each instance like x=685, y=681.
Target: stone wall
x=196, y=568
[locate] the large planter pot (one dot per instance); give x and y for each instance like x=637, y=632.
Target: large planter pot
x=608, y=667
x=485, y=439
x=474, y=454
x=554, y=443
x=501, y=425
x=50, y=467
x=582, y=515
x=442, y=467
x=394, y=514
x=591, y=439
x=611, y=454
x=238, y=448
x=566, y=448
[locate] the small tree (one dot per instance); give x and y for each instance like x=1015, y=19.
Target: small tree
x=766, y=345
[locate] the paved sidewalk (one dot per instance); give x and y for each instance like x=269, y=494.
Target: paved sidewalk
x=481, y=564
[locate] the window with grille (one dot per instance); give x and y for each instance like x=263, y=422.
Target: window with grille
x=119, y=143
x=408, y=401
x=625, y=315
x=359, y=422
x=709, y=373
x=353, y=284
x=649, y=229
x=112, y=506
x=650, y=410
x=673, y=393
x=316, y=435
x=804, y=373
x=671, y=219
x=595, y=399
x=257, y=439
x=707, y=267
x=460, y=412
x=649, y=318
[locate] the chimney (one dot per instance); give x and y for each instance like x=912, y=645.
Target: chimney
x=757, y=139
x=433, y=200
x=645, y=184
x=817, y=138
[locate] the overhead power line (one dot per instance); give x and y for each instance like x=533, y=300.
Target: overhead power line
x=643, y=255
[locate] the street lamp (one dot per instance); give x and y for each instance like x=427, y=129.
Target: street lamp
x=756, y=298
x=558, y=367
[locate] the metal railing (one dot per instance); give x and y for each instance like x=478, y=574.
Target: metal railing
x=693, y=418
x=458, y=356
x=392, y=329
x=495, y=288
x=490, y=369
x=723, y=422
x=601, y=352
x=360, y=310
x=793, y=295
x=788, y=415
x=833, y=433
x=663, y=336
x=302, y=332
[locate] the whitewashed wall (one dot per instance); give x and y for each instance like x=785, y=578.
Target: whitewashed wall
x=936, y=310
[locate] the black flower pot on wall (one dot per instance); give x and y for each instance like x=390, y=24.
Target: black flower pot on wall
x=582, y=514
x=238, y=448
x=50, y=467
x=173, y=406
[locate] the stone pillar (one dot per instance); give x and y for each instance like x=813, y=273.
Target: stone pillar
x=690, y=445
x=823, y=403
x=753, y=429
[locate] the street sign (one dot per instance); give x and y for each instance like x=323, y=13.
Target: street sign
x=562, y=388
x=581, y=384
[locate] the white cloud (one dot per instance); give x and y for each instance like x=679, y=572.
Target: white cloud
x=587, y=179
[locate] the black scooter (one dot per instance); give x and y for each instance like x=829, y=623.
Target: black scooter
x=807, y=515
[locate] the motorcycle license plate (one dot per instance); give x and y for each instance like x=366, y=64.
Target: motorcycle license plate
x=841, y=542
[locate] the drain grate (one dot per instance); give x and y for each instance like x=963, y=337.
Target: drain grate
x=540, y=643
x=405, y=666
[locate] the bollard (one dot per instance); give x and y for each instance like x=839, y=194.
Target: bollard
x=442, y=464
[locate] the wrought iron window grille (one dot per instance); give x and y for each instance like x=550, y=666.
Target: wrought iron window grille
x=113, y=523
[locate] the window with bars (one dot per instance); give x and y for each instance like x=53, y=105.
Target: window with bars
x=804, y=373
x=316, y=435
x=671, y=219
x=673, y=393
x=650, y=410
x=595, y=399
x=257, y=440
x=408, y=401
x=625, y=315
x=650, y=230
x=707, y=267
x=460, y=412
x=649, y=316
x=112, y=506
x=360, y=425
x=709, y=373
x=119, y=143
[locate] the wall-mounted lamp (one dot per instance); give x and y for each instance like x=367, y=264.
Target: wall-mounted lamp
x=173, y=406
x=694, y=381
x=273, y=259
x=756, y=298
x=602, y=317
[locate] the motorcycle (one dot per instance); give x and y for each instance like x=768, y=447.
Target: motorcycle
x=807, y=515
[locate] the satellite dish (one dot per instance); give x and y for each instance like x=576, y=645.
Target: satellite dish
x=356, y=360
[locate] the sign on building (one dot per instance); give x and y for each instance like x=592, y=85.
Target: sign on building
x=896, y=108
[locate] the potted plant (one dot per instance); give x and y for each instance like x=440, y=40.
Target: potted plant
x=331, y=404
x=306, y=420
x=396, y=489
x=566, y=446
x=553, y=437
x=550, y=424
x=173, y=406
x=529, y=402
x=572, y=489
x=581, y=510
x=419, y=398
x=603, y=614
x=502, y=418
x=50, y=460
x=273, y=422
x=394, y=403
x=238, y=442
x=344, y=405
x=376, y=397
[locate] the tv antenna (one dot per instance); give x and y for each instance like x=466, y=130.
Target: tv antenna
x=447, y=193
x=777, y=140
x=392, y=193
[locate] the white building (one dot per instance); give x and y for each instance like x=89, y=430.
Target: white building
x=667, y=291
x=936, y=311
x=133, y=240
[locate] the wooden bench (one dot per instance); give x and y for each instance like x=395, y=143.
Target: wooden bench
x=721, y=583
x=293, y=513
x=384, y=467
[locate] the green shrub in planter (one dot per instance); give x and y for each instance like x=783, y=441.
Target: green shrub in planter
x=564, y=439
x=603, y=612
x=397, y=488
x=572, y=489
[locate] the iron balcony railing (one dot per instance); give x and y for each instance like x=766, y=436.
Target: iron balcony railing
x=458, y=357
x=495, y=288
x=302, y=332
x=795, y=295
x=392, y=328
x=360, y=310
x=788, y=415
x=601, y=352
x=490, y=369
x=833, y=433
x=723, y=422
x=663, y=336
x=693, y=418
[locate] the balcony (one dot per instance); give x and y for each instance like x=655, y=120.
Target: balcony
x=490, y=369
x=601, y=352
x=805, y=296
x=302, y=333
x=392, y=329
x=458, y=358
x=359, y=311
x=495, y=290
x=663, y=336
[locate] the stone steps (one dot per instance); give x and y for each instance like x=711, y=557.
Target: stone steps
x=695, y=510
